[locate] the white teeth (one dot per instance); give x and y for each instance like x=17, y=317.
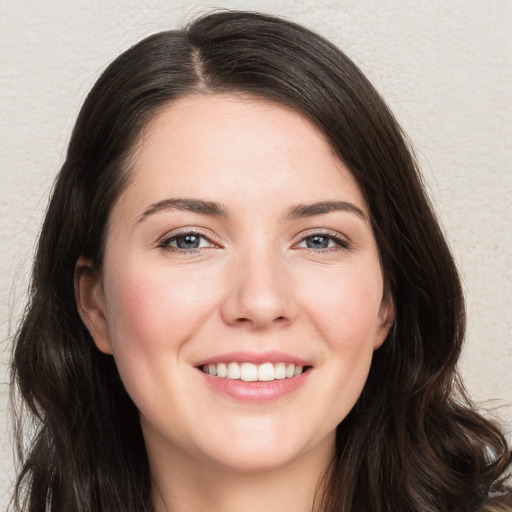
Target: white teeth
x=250, y=372
x=222, y=370
x=266, y=372
x=233, y=371
x=280, y=371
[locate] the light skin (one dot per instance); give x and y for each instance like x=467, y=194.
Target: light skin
x=239, y=231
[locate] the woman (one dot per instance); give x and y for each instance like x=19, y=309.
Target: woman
x=241, y=296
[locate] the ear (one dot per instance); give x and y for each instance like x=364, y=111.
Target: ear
x=385, y=319
x=90, y=302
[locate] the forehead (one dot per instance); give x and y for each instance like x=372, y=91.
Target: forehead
x=211, y=145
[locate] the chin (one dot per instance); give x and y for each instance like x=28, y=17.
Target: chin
x=247, y=460
x=254, y=452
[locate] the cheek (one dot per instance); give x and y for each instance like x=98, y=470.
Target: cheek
x=345, y=305
x=151, y=317
x=345, y=312
x=151, y=308
x=344, y=309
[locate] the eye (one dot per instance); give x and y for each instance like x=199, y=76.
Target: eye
x=323, y=241
x=187, y=241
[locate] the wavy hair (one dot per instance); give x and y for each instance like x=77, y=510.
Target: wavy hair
x=413, y=441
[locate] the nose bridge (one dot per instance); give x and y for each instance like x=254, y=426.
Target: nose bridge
x=260, y=292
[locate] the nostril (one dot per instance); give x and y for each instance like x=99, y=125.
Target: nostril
x=247, y=320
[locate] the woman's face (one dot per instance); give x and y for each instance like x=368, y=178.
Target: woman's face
x=241, y=246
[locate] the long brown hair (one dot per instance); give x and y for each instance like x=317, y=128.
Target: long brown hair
x=413, y=441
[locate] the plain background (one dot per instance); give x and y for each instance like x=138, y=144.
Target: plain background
x=444, y=66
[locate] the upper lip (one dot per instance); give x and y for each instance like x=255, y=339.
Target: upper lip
x=255, y=358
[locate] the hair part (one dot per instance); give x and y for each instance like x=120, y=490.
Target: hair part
x=412, y=442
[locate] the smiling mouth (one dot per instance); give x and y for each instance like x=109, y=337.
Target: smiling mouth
x=250, y=372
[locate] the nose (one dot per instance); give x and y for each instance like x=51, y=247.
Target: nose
x=260, y=293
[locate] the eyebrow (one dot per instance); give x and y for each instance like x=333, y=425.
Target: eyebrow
x=188, y=205
x=215, y=209
x=320, y=208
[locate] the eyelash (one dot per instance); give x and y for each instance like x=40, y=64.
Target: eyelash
x=165, y=243
x=340, y=243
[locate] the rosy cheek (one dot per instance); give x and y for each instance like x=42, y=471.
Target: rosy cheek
x=346, y=306
x=156, y=310
x=138, y=311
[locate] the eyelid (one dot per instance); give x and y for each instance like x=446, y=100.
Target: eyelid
x=188, y=230
x=343, y=241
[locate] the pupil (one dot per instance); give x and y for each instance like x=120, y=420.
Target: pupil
x=188, y=242
x=317, y=242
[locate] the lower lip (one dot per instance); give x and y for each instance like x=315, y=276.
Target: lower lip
x=256, y=391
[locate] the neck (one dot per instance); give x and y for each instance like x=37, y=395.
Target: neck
x=185, y=485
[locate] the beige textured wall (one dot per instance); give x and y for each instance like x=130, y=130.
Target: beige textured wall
x=443, y=65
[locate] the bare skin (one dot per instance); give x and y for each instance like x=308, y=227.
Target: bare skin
x=207, y=487
x=241, y=240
